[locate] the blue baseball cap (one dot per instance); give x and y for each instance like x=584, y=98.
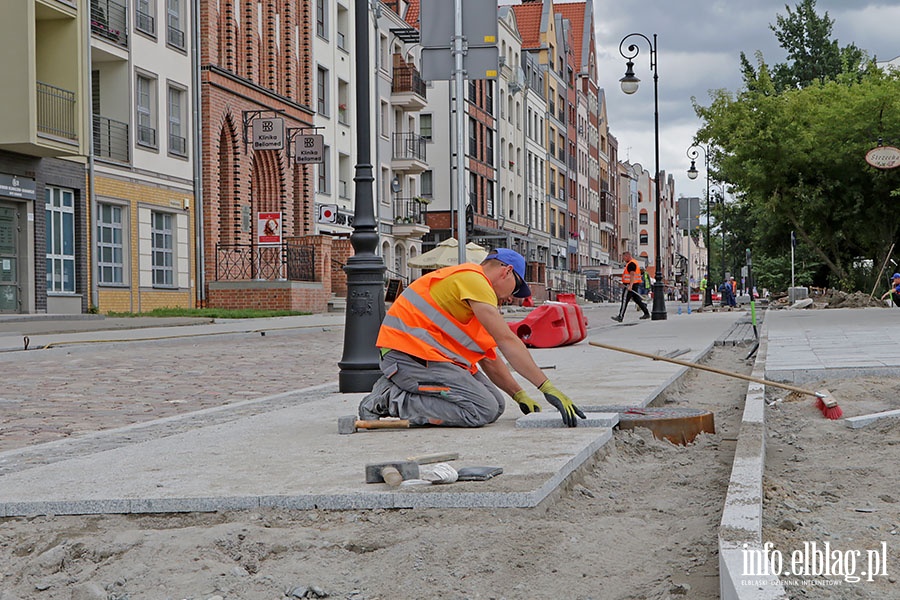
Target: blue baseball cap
x=895, y=276
x=517, y=262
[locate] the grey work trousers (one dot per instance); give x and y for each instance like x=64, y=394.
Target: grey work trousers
x=437, y=393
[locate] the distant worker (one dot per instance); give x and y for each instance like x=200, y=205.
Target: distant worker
x=894, y=292
x=437, y=334
x=703, y=284
x=631, y=276
x=732, y=298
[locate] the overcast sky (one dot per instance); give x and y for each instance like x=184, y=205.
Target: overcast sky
x=699, y=46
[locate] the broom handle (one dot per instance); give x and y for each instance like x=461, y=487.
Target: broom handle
x=685, y=363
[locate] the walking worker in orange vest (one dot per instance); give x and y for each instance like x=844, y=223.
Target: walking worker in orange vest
x=437, y=334
x=631, y=276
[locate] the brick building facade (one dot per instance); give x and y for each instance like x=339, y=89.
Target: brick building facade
x=256, y=63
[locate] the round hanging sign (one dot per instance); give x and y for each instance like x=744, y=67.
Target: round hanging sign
x=883, y=157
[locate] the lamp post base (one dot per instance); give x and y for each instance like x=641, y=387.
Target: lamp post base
x=659, y=302
x=707, y=299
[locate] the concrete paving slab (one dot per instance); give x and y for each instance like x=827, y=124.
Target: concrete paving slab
x=551, y=419
x=811, y=345
x=284, y=450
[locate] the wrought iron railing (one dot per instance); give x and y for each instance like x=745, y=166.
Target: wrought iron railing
x=56, y=111
x=145, y=22
x=109, y=20
x=177, y=145
x=146, y=135
x=289, y=260
x=111, y=139
x=409, y=146
x=407, y=79
x=409, y=210
x=175, y=37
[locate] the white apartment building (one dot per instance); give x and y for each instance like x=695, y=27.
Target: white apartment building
x=512, y=210
x=142, y=171
x=333, y=49
x=403, y=142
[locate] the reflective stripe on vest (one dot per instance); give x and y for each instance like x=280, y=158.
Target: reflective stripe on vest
x=417, y=326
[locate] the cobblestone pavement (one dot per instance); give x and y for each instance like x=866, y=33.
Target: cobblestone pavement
x=70, y=391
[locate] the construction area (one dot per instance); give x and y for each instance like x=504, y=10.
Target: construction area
x=204, y=460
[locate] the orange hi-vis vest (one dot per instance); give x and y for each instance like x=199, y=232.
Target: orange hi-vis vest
x=416, y=325
x=635, y=277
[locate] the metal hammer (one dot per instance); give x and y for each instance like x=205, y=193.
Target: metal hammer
x=392, y=473
x=352, y=423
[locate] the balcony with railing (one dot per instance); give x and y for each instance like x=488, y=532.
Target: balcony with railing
x=56, y=114
x=109, y=21
x=409, y=217
x=407, y=87
x=111, y=140
x=408, y=153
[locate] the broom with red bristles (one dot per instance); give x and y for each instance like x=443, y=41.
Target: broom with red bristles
x=824, y=400
x=828, y=405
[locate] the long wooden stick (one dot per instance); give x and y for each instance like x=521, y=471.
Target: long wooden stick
x=877, y=279
x=685, y=363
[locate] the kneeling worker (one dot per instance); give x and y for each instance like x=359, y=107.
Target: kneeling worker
x=439, y=331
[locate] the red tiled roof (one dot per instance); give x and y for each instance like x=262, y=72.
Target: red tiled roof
x=528, y=17
x=412, y=14
x=574, y=12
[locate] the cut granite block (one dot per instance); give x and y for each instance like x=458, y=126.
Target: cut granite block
x=863, y=420
x=553, y=419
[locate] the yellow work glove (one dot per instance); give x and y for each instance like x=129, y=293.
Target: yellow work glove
x=562, y=403
x=526, y=404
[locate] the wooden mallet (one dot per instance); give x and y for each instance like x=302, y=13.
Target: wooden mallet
x=392, y=473
x=352, y=424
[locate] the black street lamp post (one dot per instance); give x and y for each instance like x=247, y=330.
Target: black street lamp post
x=693, y=152
x=359, y=365
x=721, y=199
x=629, y=85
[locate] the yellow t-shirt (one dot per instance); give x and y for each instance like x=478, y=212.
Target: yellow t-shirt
x=451, y=294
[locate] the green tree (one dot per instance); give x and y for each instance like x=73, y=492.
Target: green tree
x=791, y=145
x=812, y=54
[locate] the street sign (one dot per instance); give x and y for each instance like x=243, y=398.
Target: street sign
x=438, y=64
x=268, y=228
x=310, y=149
x=479, y=23
x=328, y=213
x=268, y=133
x=883, y=157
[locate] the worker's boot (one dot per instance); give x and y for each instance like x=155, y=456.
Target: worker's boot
x=375, y=405
x=617, y=318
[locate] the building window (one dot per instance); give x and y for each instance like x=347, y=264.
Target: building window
x=144, y=16
x=177, y=139
x=321, y=22
x=473, y=138
x=60, y=207
x=642, y=218
x=146, y=111
x=425, y=126
x=110, y=249
x=426, y=184
x=174, y=27
x=322, y=91
x=324, y=180
x=163, y=249
x=644, y=238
